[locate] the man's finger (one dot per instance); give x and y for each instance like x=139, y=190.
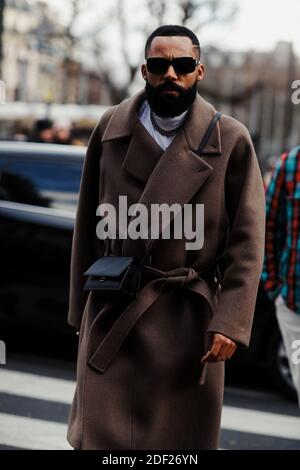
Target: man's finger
x=212, y=354
x=228, y=352
x=220, y=351
x=224, y=352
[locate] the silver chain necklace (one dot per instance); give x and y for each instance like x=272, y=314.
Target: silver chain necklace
x=162, y=131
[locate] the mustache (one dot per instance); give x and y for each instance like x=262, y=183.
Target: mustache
x=170, y=86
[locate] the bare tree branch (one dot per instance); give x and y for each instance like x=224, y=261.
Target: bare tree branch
x=124, y=30
x=196, y=14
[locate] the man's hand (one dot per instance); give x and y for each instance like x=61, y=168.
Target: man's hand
x=222, y=348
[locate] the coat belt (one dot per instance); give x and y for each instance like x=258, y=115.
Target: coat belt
x=182, y=277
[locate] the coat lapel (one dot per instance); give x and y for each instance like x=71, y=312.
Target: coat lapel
x=142, y=155
x=177, y=176
x=170, y=177
x=180, y=172
x=143, y=152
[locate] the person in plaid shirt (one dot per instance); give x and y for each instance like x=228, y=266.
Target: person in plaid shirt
x=281, y=269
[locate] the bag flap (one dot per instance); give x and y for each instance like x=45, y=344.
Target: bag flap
x=109, y=266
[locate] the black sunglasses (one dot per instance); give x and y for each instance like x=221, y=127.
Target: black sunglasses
x=181, y=65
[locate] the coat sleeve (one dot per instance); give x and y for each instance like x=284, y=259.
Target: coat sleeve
x=275, y=228
x=243, y=257
x=86, y=246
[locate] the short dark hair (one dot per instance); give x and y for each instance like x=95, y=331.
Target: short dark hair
x=43, y=124
x=173, y=30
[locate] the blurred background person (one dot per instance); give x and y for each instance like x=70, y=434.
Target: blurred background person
x=20, y=134
x=281, y=271
x=64, y=133
x=43, y=131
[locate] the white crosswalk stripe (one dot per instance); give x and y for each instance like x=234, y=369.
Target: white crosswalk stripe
x=33, y=433
x=29, y=433
x=34, y=386
x=259, y=422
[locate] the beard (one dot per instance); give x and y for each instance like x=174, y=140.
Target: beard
x=168, y=105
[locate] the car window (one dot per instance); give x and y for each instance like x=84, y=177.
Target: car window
x=53, y=184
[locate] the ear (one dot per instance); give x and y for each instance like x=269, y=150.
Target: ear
x=144, y=71
x=200, y=72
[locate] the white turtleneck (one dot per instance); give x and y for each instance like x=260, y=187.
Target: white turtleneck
x=165, y=123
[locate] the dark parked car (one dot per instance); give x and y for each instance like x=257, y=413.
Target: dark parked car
x=38, y=195
x=39, y=186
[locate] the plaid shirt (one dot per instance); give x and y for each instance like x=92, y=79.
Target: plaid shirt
x=281, y=270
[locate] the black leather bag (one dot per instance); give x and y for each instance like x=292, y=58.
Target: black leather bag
x=118, y=275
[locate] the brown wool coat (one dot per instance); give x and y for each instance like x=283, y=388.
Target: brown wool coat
x=140, y=383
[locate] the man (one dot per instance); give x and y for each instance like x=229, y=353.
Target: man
x=281, y=277
x=43, y=131
x=150, y=372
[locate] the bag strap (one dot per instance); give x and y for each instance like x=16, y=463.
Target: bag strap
x=199, y=152
x=208, y=133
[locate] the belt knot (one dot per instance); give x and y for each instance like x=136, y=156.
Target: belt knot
x=190, y=276
x=181, y=276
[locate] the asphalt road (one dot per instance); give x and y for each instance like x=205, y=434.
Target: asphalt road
x=36, y=392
